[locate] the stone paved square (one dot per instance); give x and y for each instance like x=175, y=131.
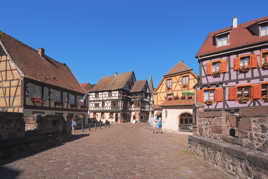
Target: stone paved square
x=123, y=151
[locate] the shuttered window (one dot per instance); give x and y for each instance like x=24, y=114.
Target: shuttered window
x=243, y=92
x=264, y=58
x=209, y=95
x=216, y=66
x=246, y=61
x=264, y=90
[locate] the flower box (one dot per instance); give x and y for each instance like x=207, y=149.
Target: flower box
x=37, y=100
x=244, y=69
x=243, y=100
x=216, y=74
x=58, y=103
x=265, y=98
x=209, y=102
x=265, y=66
x=73, y=105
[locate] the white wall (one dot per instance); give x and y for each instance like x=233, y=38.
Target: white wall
x=170, y=121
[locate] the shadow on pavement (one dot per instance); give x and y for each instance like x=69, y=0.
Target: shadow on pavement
x=21, y=151
x=9, y=173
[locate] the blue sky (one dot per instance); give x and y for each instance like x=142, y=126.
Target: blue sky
x=98, y=38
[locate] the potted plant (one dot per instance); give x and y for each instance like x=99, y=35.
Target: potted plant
x=265, y=98
x=216, y=74
x=243, y=100
x=265, y=65
x=208, y=102
x=243, y=69
x=36, y=100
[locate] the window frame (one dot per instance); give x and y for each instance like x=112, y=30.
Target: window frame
x=209, y=90
x=265, y=25
x=212, y=65
x=262, y=57
x=243, y=92
x=249, y=61
x=264, y=96
x=169, y=83
x=219, y=39
x=188, y=80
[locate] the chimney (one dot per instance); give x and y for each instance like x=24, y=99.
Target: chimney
x=115, y=74
x=41, y=52
x=235, y=22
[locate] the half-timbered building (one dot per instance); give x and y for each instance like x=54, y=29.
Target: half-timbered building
x=119, y=98
x=234, y=68
x=35, y=84
x=174, y=98
x=140, y=101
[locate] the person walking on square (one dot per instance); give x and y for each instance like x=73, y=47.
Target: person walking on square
x=159, y=125
x=73, y=124
x=155, y=124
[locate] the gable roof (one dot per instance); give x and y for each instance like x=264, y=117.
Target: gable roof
x=113, y=82
x=138, y=86
x=242, y=35
x=43, y=69
x=178, y=68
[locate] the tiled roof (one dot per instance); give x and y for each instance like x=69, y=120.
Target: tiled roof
x=43, y=69
x=178, y=68
x=178, y=102
x=243, y=35
x=113, y=82
x=156, y=107
x=86, y=86
x=138, y=86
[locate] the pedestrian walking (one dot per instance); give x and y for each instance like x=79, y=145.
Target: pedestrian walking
x=73, y=124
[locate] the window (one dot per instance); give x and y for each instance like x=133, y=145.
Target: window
x=109, y=94
x=264, y=58
x=185, y=81
x=71, y=99
x=264, y=30
x=222, y=40
x=209, y=95
x=244, y=61
x=65, y=99
x=96, y=95
x=216, y=67
x=243, y=92
x=264, y=90
x=97, y=105
x=45, y=96
x=168, y=83
x=170, y=96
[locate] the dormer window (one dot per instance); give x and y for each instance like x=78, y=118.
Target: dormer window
x=222, y=40
x=264, y=30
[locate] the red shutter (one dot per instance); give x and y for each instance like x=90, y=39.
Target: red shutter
x=209, y=68
x=256, y=92
x=236, y=63
x=199, y=96
x=253, y=61
x=223, y=66
x=232, y=93
x=219, y=94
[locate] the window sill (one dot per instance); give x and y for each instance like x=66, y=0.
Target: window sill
x=243, y=69
x=208, y=102
x=243, y=101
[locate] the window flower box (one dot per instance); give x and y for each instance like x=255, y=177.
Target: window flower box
x=243, y=100
x=243, y=69
x=58, y=103
x=265, y=66
x=216, y=74
x=37, y=100
x=208, y=102
x=265, y=98
x=73, y=105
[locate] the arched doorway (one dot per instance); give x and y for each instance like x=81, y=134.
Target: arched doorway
x=186, y=122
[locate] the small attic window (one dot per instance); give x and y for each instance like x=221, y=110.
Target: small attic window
x=264, y=29
x=222, y=40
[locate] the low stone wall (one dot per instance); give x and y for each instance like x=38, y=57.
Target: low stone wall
x=11, y=125
x=250, y=126
x=236, y=160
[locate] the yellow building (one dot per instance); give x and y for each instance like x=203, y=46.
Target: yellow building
x=174, y=98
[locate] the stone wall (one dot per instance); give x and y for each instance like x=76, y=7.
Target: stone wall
x=250, y=126
x=11, y=125
x=236, y=141
x=235, y=160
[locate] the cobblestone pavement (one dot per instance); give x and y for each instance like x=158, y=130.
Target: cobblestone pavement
x=121, y=152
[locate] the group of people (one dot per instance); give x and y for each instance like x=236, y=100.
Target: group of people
x=157, y=126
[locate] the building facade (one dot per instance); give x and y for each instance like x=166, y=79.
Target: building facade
x=119, y=98
x=231, y=100
x=174, y=98
x=233, y=68
x=35, y=84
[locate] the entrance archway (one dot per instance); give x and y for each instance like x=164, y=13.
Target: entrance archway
x=186, y=122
